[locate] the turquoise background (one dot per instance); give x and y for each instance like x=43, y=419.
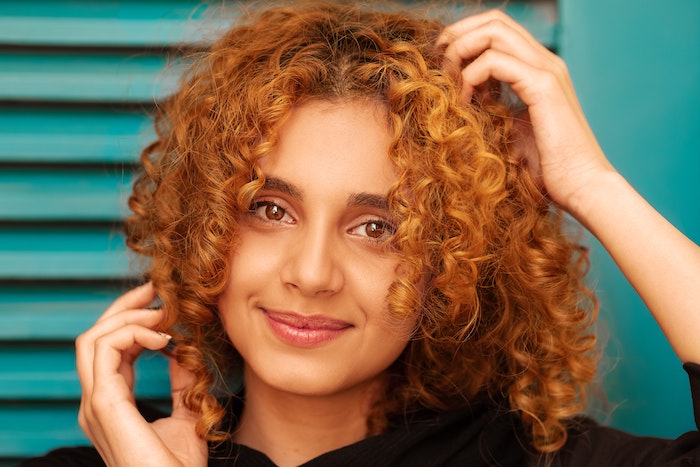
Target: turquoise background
x=636, y=68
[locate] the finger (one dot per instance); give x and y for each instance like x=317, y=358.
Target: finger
x=138, y=297
x=84, y=420
x=148, y=317
x=85, y=343
x=106, y=389
x=115, y=354
x=457, y=29
x=531, y=84
x=499, y=36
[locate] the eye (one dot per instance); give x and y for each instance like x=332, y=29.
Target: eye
x=269, y=211
x=374, y=230
x=274, y=212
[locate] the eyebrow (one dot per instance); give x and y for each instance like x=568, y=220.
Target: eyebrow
x=370, y=200
x=277, y=184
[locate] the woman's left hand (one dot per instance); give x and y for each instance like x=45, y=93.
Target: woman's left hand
x=565, y=157
x=574, y=172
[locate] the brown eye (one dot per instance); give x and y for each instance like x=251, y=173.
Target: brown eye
x=270, y=212
x=274, y=212
x=375, y=229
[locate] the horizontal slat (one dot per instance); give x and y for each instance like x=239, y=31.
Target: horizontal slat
x=51, y=312
x=139, y=77
x=27, y=430
x=134, y=23
x=63, y=253
x=143, y=23
x=57, y=194
x=48, y=372
x=63, y=135
x=84, y=77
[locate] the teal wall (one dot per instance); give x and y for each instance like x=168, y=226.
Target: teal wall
x=636, y=68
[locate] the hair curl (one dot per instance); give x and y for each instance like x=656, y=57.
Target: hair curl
x=503, y=310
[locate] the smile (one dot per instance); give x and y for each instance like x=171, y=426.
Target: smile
x=304, y=331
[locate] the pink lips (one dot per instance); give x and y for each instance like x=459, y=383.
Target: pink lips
x=304, y=331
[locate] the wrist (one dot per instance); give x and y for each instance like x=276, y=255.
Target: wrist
x=596, y=198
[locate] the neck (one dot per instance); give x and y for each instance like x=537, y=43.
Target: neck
x=292, y=429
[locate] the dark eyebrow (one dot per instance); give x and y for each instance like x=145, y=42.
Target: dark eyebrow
x=368, y=200
x=279, y=185
x=355, y=200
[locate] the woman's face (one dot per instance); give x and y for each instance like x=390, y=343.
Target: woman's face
x=306, y=301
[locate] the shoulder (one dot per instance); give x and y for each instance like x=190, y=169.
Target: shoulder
x=593, y=444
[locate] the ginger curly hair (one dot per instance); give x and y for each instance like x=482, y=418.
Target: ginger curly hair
x=504, y=314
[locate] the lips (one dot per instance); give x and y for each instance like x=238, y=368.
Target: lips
x=305, y=331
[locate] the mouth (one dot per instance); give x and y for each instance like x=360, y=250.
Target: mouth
x=305, y=331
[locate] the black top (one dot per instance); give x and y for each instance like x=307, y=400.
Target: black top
x=477, y=436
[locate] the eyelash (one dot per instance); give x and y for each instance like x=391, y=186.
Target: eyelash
x=253, y=210
x=388, y=228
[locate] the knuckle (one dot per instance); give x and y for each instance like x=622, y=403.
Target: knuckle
x=549, y=78
x=495, y=25
x=559, y=64
x=496, y=13
x=103, y=344
x=80, y=341
x=500, y=17
x=487, y=57
x=82, y=419
x=100, y=342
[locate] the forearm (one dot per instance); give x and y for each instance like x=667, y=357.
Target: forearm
x=661, y=263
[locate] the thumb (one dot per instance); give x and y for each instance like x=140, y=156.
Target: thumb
x=181, y=380
x=178, y=431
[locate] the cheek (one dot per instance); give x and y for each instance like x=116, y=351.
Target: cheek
x=248, y=271
x=372, y=292
x=252, y=262
x=370, y=276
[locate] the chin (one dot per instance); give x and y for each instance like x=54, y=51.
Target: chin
x=310, y=380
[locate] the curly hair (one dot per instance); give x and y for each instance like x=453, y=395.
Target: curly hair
x=504, y=313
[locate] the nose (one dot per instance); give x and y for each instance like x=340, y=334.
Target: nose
x=313, y=264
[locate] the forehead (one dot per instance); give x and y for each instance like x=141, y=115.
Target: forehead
x=334, y=144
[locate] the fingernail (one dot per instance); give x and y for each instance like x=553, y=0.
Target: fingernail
x=167, y=336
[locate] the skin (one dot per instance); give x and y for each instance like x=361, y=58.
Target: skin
x=560, y=149
x=314, y=245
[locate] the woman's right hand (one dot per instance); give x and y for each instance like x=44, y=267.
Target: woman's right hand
x=108, y=415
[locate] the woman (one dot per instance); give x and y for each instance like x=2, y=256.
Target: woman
x=341, y=214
